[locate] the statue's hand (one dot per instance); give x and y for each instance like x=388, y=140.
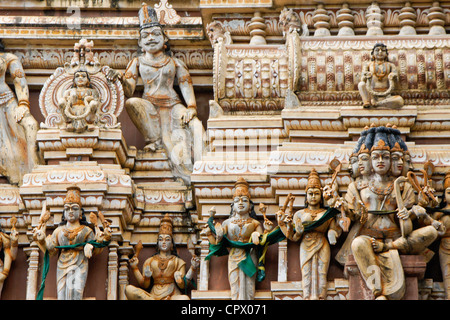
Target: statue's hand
x=20, y=113
x=219, y=232
x=190, y=114
x=134, y=262
x=39, y=235
x=88, y=250
x=332, y=235
x=113, y=75
x=255, y=237
x=14, y=235
x=195, y=262
x=367, y=75
x=403, y=214
x=148, y=272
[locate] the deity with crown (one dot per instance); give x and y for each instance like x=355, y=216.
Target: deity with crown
x=165, y=268
x=244, y=230
x=316, y=228
x=160, y=115
x=74, y=241
x=382, y=204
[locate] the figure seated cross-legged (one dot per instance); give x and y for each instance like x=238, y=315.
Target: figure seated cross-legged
x=378, y=79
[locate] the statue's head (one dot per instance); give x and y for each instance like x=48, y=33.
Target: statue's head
x=313, y=189
x=364, y=161
x=81, y=79
x=165, y=236
x=72, y=206
x=380, y=52
x=397, y=160
x=241, y=199
x=152, y=38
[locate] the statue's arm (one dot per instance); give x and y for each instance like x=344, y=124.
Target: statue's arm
x=185, y=84
x=130, y=77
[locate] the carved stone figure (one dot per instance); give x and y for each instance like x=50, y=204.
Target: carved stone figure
x=9, y=244
x=83, y=54
x=443, y=216
x=378, y=80
x=165, y=268
x=78, y=96
x=160, y=114
x=384, y=209
x=216, y=33
x=75, y=242
x=18, y=128
x=313, y=225
x=80, y=103
x=241, y=227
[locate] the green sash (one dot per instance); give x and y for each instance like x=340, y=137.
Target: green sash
x=46, y=265
x=265, y=240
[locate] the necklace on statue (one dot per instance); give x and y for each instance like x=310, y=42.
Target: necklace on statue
x=313, y=212
x=380, y=70
x=163, y=262
x=72, y=234
x=381, y=192
x=156, y=64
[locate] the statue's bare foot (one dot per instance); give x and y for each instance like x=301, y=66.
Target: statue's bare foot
x=153, y=146
x=377, y=245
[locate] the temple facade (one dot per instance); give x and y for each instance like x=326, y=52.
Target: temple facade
x=225, y=149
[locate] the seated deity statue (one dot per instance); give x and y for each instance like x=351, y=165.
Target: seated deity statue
x=378, y=80
x=80, y=103
x=316, y=228
x=164, y=273
x=74, y=242
x=382, y=209
x=160, y=115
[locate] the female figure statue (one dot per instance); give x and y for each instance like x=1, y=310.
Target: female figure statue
x=73, y=239
x=378, y=81
x=241, y=227
x=18, y=128
x=80, y=103
x=160, y=114
x=165, y=268
x=314, y=247
x=9, y=244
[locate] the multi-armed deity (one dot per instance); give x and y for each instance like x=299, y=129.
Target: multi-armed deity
x=165, y=268
x=382, y=204
x=75, y=241
x=241, y=233
x=378, y=80
x=160, y=114
x=312, y=225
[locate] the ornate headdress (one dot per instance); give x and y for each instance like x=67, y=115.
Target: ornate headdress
x=241, y=188
x=166, y=225
x=148, y=17
x=73, y=195
x=313, y=180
